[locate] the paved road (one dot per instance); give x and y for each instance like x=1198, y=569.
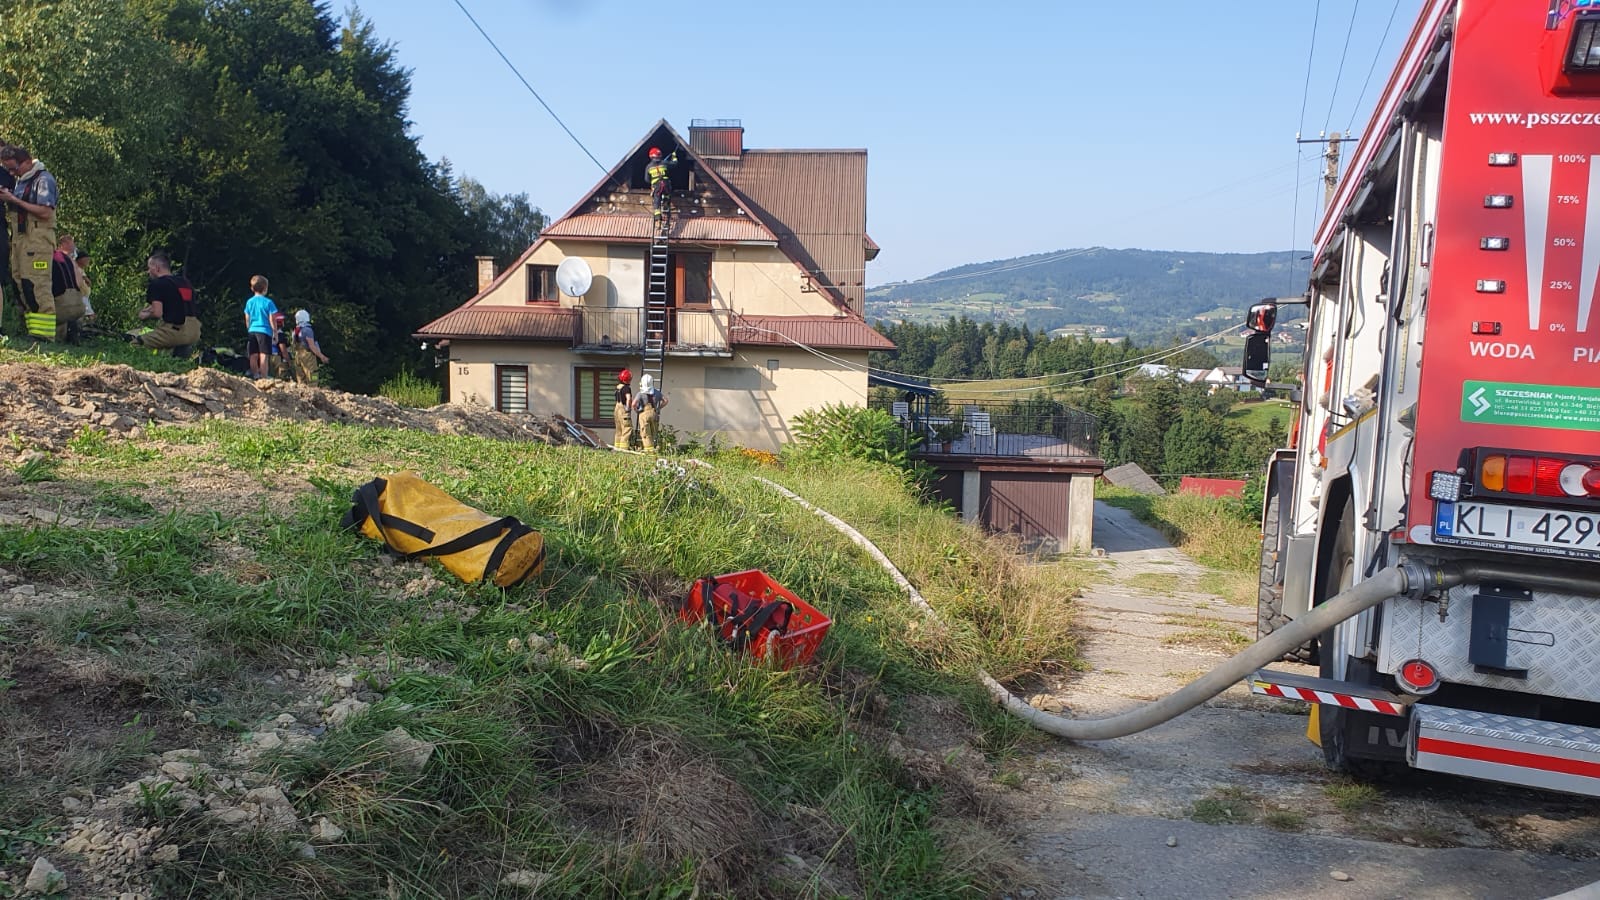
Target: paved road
x=1129, y=818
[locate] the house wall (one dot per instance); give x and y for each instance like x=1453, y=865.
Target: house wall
x=749, y=279
x=549, y=373
x=743, y=400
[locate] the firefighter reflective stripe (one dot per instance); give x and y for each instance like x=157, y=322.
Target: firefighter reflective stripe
x=656, y=172
x=41, y=325
x=1333, y=698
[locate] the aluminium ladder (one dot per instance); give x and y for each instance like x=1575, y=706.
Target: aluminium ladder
x=655, y=304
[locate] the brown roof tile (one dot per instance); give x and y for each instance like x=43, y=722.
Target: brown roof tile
x=507, y=322
x=686, y=228
x=816, y=201
x=821, y=332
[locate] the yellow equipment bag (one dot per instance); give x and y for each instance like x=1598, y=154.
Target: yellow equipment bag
x=414, y=518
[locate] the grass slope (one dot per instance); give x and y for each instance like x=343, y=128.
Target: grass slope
x=196, y=616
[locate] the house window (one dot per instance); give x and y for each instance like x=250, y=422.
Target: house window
x=511, y=389
x=595, y=393
x=542, y=285
x=692, y=274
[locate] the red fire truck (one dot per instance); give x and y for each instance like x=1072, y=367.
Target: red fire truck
x=1452, y=411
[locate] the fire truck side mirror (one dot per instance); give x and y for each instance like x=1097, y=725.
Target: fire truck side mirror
x=1257, y=357
x=1262, y=316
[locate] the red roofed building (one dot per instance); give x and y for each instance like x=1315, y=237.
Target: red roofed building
x=767, y=274
x=1211, y=487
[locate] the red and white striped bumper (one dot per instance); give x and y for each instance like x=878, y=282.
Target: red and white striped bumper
x=1509, y=749
x=1290, y=686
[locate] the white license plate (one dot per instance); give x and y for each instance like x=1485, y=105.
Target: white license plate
x=1552, y=531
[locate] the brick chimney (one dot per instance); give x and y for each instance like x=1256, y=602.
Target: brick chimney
x=486, y=272
x=722, y=138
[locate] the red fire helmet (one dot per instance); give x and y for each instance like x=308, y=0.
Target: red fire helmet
x=625, y=376
x=655, y=152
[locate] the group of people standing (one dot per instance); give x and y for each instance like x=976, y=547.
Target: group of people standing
x=47, y=272
x=273, y=348
x=48, y=278
x=645, y=407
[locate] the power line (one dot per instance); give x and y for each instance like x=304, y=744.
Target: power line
x=1305, y=94
x=525, y=84
x=1376, y=53
x=1339, y=74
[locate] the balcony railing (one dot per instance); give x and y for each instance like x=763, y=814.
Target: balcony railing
x=616, y=328
x=1035, y=429
x=621, y=329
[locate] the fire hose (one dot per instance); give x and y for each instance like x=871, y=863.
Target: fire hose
x=1408, y=579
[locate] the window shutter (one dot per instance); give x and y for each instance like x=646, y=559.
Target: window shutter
x=588, y=395
x=511, y=388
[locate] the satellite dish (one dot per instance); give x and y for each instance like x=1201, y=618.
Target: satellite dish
x=573, y=277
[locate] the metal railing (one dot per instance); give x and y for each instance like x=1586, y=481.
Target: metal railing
x=1031, y=428
x=622, y=328
x=611, y=328
x=698, y=329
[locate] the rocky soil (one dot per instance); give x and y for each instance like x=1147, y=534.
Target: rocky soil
x=46, y=406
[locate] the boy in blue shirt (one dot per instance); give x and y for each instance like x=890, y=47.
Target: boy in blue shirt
x=260, y=318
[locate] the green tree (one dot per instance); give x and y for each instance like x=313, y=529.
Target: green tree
x=1195, y=443
x=1157, y=408
x=508, y=223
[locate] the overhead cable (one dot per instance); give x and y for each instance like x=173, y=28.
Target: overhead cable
x=1339, y=74
x=525, y=84
x=1377, y=52
x=1299, y=155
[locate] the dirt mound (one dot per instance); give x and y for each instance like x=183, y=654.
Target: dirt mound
x=47, y=405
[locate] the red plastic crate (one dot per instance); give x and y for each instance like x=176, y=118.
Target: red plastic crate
x=795, y=644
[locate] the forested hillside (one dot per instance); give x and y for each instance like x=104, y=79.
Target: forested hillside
x=1145, y=294
x=250, y=137
x=1144, y=412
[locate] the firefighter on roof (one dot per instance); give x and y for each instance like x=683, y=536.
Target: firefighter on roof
x=660, y=181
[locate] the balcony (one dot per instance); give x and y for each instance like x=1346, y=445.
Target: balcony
x=1032, y=429
x=620, y=330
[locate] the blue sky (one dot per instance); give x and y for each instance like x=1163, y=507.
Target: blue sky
x=994, y=130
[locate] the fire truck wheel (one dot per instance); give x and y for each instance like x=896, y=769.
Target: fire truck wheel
x=1269, y=602
x=1383, y=757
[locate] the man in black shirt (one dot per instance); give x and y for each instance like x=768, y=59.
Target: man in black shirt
x=172, y=308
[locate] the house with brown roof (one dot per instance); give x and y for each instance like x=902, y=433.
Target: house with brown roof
x=767, y=253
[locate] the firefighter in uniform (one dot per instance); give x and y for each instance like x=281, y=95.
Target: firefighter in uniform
x=622, y=411
x=31, y=212
x=660, y=181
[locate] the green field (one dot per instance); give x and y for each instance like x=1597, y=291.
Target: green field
x=1256, y=415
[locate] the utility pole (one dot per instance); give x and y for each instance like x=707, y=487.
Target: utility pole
x=1330, y=175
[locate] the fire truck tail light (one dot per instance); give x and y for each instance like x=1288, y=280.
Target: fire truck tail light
x=1547, y=477
x=1519, y=474
x=1544, y=476
x=1492, y=475
x=1573, y=477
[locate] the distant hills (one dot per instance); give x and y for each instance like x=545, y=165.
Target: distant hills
x=1144, y=294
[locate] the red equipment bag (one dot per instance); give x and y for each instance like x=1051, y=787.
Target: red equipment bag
x=752, y=613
